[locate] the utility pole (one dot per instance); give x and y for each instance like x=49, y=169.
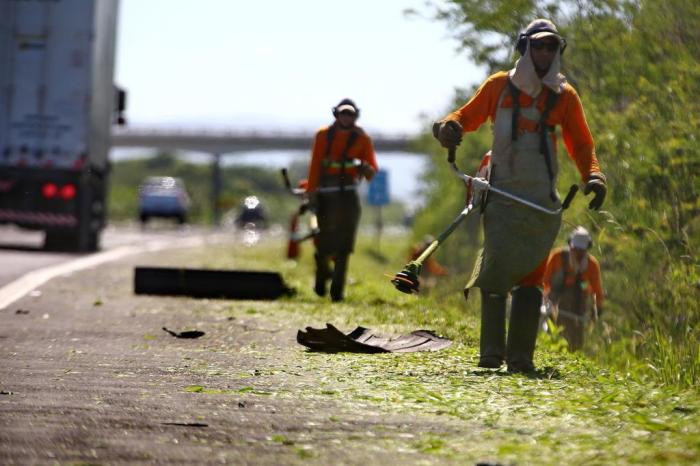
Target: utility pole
x=215, y=188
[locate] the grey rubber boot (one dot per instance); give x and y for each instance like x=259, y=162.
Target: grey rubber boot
x=522, y=329
x=338, y=279
x=322, y=274
x=492, y=341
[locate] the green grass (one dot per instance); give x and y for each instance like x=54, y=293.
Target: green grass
x=572, y=411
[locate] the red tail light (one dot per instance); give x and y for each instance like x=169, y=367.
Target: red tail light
x=49, y=190
x=68, y=192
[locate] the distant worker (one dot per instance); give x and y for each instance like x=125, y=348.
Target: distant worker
x=342, y=156
x=524, y=105
x=572, y=285
x=431, y=267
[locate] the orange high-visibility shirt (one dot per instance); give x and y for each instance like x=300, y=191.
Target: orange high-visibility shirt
x=567, y=113
x=591, y=275
x=361, y=149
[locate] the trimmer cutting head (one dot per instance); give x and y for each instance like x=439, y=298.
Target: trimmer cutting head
x=406, y=281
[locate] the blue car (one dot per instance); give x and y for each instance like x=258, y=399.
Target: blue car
x=163, y=196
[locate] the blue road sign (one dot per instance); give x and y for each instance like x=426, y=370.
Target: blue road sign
x=378, y=192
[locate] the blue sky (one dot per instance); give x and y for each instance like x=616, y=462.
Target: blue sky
x=281, y=65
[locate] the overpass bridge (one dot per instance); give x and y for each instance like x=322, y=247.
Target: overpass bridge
x=221, y=143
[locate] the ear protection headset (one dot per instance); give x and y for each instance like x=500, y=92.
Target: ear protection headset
x=521, y=44
x=345, y=102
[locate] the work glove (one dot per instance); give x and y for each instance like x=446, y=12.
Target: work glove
x=366, y=170
x=449, y=133
x=596, y=184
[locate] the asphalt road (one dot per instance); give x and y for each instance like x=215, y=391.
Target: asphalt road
x=87, y=376
x=21, y=250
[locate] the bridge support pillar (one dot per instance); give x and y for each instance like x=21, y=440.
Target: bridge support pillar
x=215, y=189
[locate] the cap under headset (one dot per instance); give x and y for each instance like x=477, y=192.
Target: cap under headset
x=346, y=105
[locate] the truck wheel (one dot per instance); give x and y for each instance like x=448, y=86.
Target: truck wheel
x=181, y=219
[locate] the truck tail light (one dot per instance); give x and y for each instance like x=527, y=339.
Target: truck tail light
x=49, y=190
x=68, y=192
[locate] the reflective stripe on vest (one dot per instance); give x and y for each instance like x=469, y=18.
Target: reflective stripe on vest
x=338, y=164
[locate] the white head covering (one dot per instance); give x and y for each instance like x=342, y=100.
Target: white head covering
x=580, y=238
x=525, y=77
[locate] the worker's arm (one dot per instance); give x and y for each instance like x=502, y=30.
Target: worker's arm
x=553, y=265
x=482, y=105
x=317, y=153
x=368, y=159
x=577, y=136
x=595, y=282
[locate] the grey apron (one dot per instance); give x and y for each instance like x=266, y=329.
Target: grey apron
x=517, y=238
x=572, y=304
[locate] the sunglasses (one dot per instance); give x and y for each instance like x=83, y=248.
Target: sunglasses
x=540, y=44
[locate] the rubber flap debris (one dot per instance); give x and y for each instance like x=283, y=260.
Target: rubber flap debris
x=364, y=340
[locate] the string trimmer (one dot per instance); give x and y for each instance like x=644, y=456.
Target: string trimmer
x=407, y=280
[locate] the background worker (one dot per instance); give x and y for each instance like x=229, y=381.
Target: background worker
x=573, y=286
x=524, y=105
x=342, y=155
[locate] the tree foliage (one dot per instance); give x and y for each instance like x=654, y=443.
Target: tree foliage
x=636, y=65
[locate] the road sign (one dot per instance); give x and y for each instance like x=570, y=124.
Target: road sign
x=378, y=193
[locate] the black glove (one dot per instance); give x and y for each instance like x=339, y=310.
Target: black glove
x=449, y=133
x=596, y=183
x=366, y=170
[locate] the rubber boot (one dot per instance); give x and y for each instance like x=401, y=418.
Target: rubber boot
x=322, y=274
x=492, y=341
x=338, y=279
x=522, y=329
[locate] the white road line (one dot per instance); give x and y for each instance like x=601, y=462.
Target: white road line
x=31, y=280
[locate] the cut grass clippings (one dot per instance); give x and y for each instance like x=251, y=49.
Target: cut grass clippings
x=570, y=412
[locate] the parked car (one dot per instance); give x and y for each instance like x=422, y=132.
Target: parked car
x=163, y=196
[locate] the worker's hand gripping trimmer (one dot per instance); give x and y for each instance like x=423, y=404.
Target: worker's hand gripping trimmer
x=407, y=281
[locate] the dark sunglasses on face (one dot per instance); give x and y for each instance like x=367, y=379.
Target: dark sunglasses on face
x=540, y=44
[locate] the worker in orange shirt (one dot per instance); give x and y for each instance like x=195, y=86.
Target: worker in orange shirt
x=572, y=285
x=524, y=105
x=342, y=155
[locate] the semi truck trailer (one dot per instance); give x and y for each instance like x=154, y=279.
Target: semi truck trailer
x=58, y=103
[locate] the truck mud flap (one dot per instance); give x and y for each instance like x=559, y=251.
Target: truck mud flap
x=201, y=283
x=364, y=340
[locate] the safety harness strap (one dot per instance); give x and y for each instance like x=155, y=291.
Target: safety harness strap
x=544, y=147
x=327, y=162
x=552, y=98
